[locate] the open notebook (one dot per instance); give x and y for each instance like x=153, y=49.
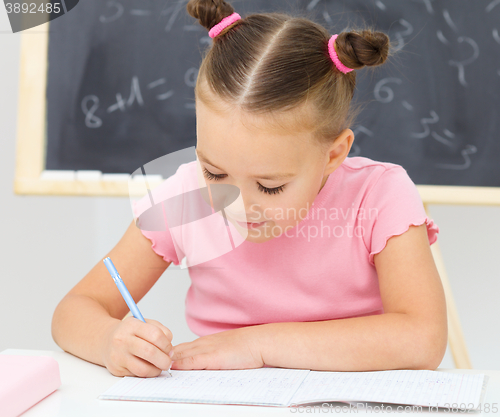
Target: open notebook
x=289, y=387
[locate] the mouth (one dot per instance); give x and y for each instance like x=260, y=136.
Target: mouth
x=250, y=225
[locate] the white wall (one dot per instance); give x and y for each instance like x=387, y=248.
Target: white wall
x=49, y=243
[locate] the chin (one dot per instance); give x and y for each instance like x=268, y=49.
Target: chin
x=267, y=232
x=258, y=238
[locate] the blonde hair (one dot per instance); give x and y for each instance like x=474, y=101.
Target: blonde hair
x=278, y=66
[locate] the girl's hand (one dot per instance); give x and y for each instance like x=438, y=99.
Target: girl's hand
x=231, y=349
x=134, y=348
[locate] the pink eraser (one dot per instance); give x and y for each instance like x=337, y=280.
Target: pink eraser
x=26, y=380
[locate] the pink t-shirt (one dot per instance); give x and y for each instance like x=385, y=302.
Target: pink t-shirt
x=322, y=269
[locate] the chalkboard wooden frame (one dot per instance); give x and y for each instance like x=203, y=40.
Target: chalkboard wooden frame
x=32, y=179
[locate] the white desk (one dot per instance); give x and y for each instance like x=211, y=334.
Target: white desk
x=83, y=382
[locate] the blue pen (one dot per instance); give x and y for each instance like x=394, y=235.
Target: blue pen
x=124, y=292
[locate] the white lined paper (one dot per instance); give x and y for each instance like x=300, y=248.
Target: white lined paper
x=285, y=387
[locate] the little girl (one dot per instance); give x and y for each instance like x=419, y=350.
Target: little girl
x=333, y=270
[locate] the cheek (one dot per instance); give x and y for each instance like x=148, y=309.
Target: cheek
x=290, y=209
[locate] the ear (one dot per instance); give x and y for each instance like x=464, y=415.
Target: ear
x=338, y=151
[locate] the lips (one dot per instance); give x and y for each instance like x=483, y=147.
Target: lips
x=247, y=222
x=250, y=225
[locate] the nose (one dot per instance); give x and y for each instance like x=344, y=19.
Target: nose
x=221, y=196
x=244, y=210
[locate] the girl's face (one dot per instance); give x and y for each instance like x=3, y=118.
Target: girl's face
x=278, y=174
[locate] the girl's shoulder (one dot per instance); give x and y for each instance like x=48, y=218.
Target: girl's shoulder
x=362, y=163
x=183, y=180
x=373, y=184
x=361, y=173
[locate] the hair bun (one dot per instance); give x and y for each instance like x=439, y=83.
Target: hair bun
x=357, y=49
x=209, y=12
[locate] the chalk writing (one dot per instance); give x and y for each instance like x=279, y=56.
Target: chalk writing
x=469, y=150
x=381, y=87
x=115, y=10
x=91, y=120
x=90, y=103
x=400, y=35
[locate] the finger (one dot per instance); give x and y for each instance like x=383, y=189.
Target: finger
x=193, y=362
x=152, y=334
x=150, y=353
x=119, y=370
x=180, y=352
x=141, y=368
x=188, y=348
x=164, y=329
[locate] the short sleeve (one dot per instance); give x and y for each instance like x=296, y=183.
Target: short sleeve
x=152, y=218
x=393, y=205
x=162, y=242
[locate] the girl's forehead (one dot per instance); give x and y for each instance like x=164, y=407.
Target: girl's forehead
x=239, y=135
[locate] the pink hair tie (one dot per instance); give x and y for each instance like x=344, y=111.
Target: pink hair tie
x=335, y=58
x=224, y=23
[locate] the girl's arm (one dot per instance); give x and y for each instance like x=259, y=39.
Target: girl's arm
x=411, y=334
x=88, y=320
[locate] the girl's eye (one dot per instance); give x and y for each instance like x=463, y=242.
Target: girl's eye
x=211, y=176
x=276, y=190
x=214, y=177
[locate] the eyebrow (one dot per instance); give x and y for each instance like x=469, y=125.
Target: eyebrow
x=263, y=177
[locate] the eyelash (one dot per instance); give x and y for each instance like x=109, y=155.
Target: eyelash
x=214, y=177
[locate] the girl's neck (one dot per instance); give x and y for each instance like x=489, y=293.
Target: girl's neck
x=323, y=183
